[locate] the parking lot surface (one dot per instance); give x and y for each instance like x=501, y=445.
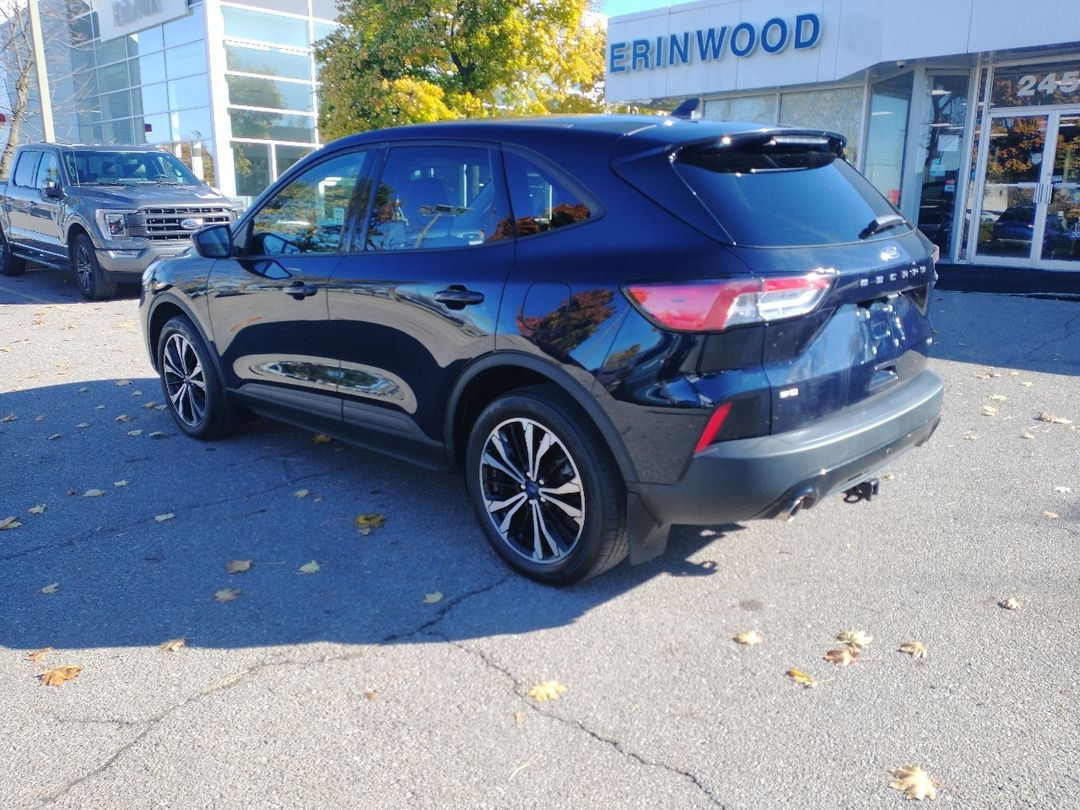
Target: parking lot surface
x=397, y=671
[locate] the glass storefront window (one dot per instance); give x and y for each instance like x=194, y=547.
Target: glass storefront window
x=195, y=124
x=271, y=61
x=187, y=92
x=279, y=95
x=252, y=162
x=112, y=51
x=744, y=108
x=151, y=68
x=185, y=60
x=116, y=105
x=185, y=29
x=113, y=77
x=272, y=126
x=285, y=156
x=886, y=135
x=254, y=25
x=838, y=109
x=155, y=98
x=943, y=134
x=321, y=30
x=159, y=128
x=149, y=40
x=118, y=131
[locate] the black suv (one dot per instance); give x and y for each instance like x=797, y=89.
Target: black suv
x=611, y=323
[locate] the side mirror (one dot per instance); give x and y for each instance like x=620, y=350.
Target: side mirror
x=214, y=242
x=53, y=190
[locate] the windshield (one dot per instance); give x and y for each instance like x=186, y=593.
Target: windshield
x=127, y=168
x=770, y=196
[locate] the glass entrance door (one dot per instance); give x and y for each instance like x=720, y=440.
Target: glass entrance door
x=1030, y=213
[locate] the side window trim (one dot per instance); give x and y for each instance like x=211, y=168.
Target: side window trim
x=592, y=202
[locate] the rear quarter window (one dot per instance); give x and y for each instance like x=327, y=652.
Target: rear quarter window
x=543, y=198
x=765, y=196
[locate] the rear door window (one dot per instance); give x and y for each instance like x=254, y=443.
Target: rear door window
x=542, y=198
x=770, y=194
x=24, y=169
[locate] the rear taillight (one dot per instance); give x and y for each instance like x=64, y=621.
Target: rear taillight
x=712, y=306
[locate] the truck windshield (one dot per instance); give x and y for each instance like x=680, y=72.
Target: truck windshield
x=93, y=167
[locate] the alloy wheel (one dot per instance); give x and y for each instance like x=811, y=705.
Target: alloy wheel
x=84, y=269
x=185, y=380
x=532, y=490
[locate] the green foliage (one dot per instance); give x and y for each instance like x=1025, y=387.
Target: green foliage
x=410, y=61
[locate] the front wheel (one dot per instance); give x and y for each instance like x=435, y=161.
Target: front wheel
x=91, y=280
x=544, y=487
x=10, y=264
x=193, y=391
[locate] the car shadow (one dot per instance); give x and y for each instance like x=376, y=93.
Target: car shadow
x=49, y=285
x=132, y=523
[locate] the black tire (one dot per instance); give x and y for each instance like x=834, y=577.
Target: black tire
x=92, y=281
x=10, y=264
x=194, y=393
x=537, y=533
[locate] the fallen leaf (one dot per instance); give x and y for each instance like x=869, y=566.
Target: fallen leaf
x=989, y=410
x=998, y=397
x=916, y=649
x=136, y=393
x=150, y=405
x=37, y=510
x=93, y=493
x=367, y=523
x=548, y=690
x=99, y=407
x=119, y=483
x=37, y=655
x=238, y=566
x=9, y=418
x=856, y=638
x=801, y=678
x=51, y=588
x=122, y=383
x=320, y=438
x=39, y=418
x=1014, y=373
x=986, y=375
x=1027, y=434
x=843, y=656
x=309, y=567
x=1063, y=490
x=136, y=432
x=173, y=644
x=10, y=523
x=971, y=437
x=1027, y=383
x=227, y=594
x=164, y=517
x=60, y=675
x=914, y=782
x=83, y=425
x=1051, y=515
x=432, y=598
x=1050, y=419
x=519, y=719
x=302, y=493
x=124, y=418
x=369, y=694
x=55, y=436
x=1009, y=604
x=83, y=390
x=749, y=638
x=157, y=434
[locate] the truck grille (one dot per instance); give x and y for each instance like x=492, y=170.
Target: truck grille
x=163, y=224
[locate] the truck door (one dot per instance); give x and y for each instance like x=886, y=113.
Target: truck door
x=44, y=214
x=21, y=192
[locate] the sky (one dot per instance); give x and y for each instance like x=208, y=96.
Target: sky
x=615, y=8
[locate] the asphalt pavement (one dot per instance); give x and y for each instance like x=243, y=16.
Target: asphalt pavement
x=397, y=672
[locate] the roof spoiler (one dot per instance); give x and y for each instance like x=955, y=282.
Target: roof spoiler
x=689, y=110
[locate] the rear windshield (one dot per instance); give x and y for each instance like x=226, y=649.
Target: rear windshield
x=769, y=195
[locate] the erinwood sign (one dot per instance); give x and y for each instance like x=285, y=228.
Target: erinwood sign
x=119, y=17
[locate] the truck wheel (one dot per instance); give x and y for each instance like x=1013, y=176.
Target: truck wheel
x=91, y=280
x=10, y=264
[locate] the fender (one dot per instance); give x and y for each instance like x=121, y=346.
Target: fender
x=170, y=297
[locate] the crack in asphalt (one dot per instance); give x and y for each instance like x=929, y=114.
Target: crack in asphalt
x=150, y=723
x=518, y=689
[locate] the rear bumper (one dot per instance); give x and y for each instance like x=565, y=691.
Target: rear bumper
x=762, y=477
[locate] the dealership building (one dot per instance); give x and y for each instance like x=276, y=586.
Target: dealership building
x=964, y=113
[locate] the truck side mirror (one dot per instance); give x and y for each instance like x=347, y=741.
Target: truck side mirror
x=214, y=242
x=52, y=190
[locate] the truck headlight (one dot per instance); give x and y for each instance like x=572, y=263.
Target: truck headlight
x=114, y=224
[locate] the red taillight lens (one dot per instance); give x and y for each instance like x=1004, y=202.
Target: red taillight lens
x=712, y=306
x=712, y=427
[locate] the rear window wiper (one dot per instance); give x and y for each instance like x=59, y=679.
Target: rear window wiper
x=882, y=223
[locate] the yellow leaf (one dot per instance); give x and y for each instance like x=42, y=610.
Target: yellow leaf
x=1027, y=383
x=916, y=649
x=150, y=405
x=164, y=517
x=9, y=418
x=173, y=644
x=60, y=675
x=54, y=437
x=1052, y=515
x=309, y=567
x=321, y=438
x=519, y=719
x=989, y=410
x=1009, y=604
x=548, y=690
x=432, y=598
x=124, y=418
x=227, y=594
x=119, y=483
x=37, y=655
x=93, y=493
x=302, y=493
x=801, y=678
x=914, y=782
x=367, y=523
x=238, y=566
x=51, y=588
x=1027, y=434
x=998, y=397
x=10, y=523
x=856, y=638
x=843, y=656
x=136, y=432
x=1050, y=419
x=749, y=638
x=36, y=510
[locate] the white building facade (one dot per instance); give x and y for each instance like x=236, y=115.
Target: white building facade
x=964, y=113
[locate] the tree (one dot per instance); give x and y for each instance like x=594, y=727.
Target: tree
x=16, y=45
x=409, y=61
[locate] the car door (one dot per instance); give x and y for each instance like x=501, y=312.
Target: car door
x=20, y=196
x=44, y=216
x=421, y=299
x=268, y=304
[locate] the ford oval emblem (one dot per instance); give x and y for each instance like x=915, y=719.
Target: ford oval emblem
x=890, y=252
x=191, y=223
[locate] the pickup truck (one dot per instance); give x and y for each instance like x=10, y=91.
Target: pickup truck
x=105, y=212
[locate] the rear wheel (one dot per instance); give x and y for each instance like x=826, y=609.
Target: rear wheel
x=193, y=391
x=10, y=264
x=545, y=490
x=91, y=280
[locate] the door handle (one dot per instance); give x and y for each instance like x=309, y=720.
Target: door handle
x=300, y=289
x=457, y=297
